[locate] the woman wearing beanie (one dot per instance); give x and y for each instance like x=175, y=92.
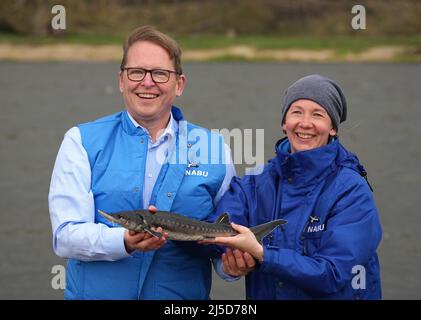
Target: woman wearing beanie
x=327, y=250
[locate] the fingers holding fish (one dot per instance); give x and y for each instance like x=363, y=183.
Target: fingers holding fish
x=144, y=241
x=131, y=238
x=229, y=264
x=152, y=242
x=152, y=209
x=244, y=260
x=239, y=228
x=245, y=241
x=236, y=262
x=249, y=259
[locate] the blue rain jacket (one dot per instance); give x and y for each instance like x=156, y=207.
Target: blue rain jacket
x=327, y=250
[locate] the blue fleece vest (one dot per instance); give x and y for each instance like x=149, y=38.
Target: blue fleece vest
x=117, y=153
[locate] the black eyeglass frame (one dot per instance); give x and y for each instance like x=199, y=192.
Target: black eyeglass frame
x=150, y=72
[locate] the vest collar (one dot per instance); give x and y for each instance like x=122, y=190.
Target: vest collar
x=130, y=128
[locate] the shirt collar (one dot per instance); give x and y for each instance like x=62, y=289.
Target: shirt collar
x=170, y=130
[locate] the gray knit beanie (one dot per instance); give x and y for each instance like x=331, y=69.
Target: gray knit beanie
x=321, y=90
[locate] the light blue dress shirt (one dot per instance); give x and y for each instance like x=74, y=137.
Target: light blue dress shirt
x=71, y=202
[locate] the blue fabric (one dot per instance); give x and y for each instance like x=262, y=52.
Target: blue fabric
x=333, y=227
x=117, y=151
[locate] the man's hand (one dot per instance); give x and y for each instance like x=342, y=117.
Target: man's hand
x=152, y=209
x=144, y=241
x=237, y=263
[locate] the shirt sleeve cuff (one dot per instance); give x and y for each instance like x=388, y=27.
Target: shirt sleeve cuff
x=115, y=243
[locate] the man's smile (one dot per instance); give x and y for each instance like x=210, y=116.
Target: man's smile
x=147, y=95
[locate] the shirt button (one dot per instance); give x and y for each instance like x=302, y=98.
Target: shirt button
x=289, y=180
x=189, y=145
x=142, y=140
x=136, y=189
x=169, y=194
x=280, y=284
x=150, y=175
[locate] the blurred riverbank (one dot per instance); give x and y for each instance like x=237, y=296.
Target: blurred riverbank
x=407, y=49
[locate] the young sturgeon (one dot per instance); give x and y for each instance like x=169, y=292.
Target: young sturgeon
x=183, y=228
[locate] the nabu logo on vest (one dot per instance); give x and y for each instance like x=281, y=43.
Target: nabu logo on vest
x=194, y=172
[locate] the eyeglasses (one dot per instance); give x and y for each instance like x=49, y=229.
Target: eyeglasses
x=158, y=75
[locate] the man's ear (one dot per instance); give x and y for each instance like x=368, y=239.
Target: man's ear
x=181, y=83
x=120, y=81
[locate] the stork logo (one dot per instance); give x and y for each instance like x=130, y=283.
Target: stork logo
x=315, y=228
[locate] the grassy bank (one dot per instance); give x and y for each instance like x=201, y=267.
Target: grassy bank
x=208, y=47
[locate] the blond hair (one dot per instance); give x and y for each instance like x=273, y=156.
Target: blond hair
x=149, y=33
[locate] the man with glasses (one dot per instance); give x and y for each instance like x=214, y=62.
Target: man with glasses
x=128, y=161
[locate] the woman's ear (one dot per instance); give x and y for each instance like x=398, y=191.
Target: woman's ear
x=333, y=132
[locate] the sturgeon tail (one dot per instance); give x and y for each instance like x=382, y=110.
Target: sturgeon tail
x=262, y=230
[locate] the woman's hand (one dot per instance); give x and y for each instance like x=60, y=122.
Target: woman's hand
x=237, y=263
x=244, y=241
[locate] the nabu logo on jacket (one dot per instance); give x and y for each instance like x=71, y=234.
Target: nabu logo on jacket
x=314, y=228
x=317, y=228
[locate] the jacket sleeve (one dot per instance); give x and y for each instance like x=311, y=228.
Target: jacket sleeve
x=235, y=202
x=351, y=238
